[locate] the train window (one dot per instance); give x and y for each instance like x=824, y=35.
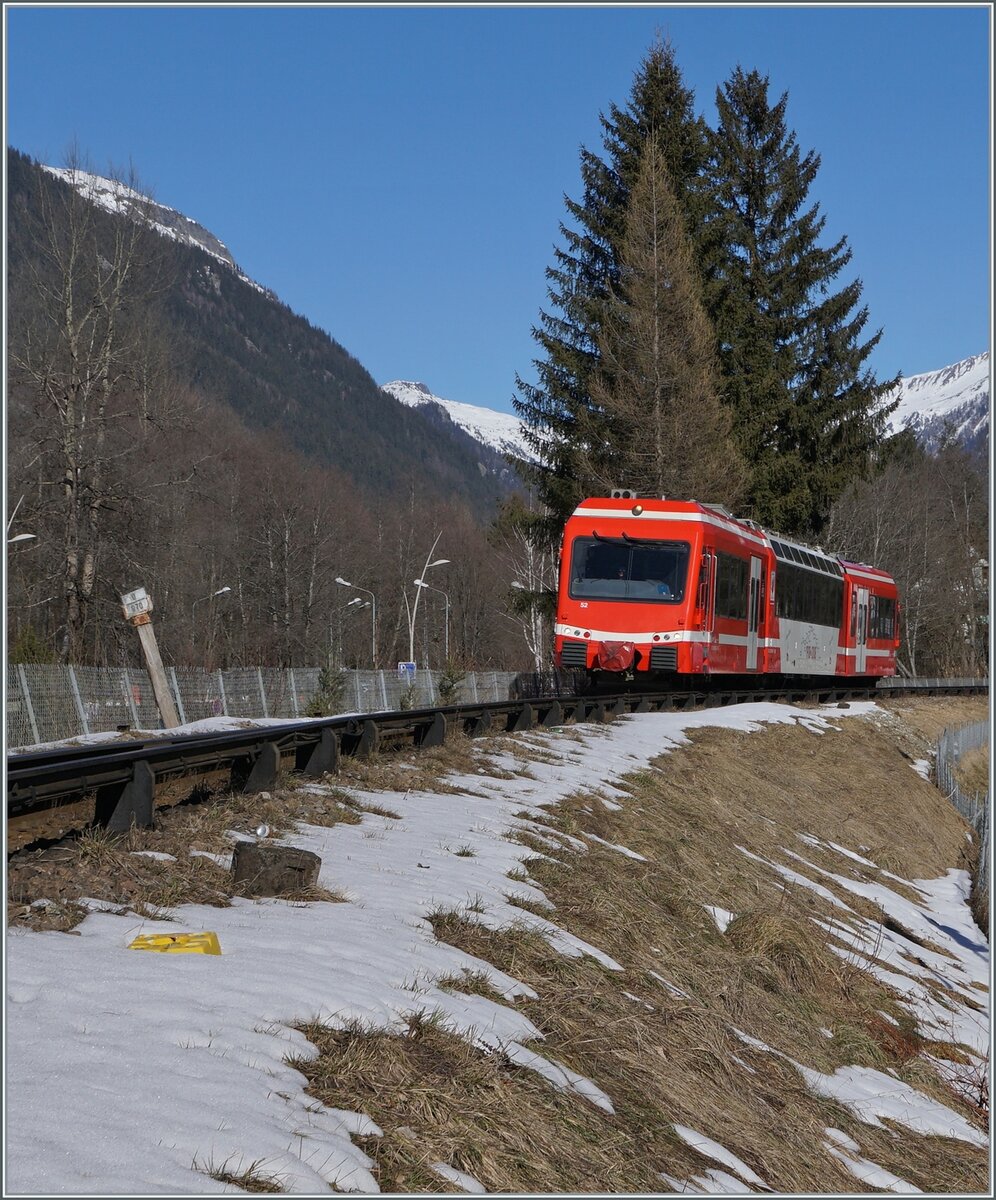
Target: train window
x=881, y=617
x=731, y=586
x=810, y=596
x=607, y=569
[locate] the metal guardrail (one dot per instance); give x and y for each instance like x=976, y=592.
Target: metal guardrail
x=123, y=776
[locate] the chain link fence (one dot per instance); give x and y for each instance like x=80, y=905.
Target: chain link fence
x=975, y=808
x=54, y=703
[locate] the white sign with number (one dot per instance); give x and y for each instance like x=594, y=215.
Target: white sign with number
x=137, y=602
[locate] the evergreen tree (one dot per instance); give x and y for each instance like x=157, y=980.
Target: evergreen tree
x=558, y=409
x=664, y=429
x=808, y=413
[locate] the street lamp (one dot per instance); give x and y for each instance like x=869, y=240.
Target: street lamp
x=373, y=616
x=219, y=592
x=446, y=635
x=21, y=537
x=413, y=609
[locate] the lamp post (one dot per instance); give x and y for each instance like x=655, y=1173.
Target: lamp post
x=357, y=604
x=413, y=609
x=219, y=592
x=446, y=628
x=373, y=616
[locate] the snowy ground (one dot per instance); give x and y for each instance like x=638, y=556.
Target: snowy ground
x=136, y=1073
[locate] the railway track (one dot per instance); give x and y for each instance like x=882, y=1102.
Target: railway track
x=52, y=793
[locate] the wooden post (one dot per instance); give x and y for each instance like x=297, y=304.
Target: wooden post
x=137, y=606
x=157, y=672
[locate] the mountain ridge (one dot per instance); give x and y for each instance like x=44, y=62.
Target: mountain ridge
x=952, y=401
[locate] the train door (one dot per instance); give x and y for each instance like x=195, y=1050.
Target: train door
x=861, y=631
x=754, y=601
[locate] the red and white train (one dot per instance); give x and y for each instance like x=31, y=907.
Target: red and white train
x=675, y=588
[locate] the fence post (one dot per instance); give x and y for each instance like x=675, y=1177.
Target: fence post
x=262, y=690
x=221, y=688
x=383, y=691
x=176, y=693
x=293, y=689
x=472, y=678
x=130, y=699
x=25, y=692
x=357, y=692
x=80, y=710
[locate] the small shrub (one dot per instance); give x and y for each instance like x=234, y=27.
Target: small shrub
x=330, y=694
x=450, y=682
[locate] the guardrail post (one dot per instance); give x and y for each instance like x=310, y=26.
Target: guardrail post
x=554, y=715
x=257, y=774
x=120, y=806
x=80, y=710
x=321, y=758
x=26, y=693
x=478, y=726
x=520, y=719
x=433, y=733
x=361, y=738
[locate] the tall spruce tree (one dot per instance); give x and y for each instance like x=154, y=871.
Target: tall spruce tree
x=809, y=416
x=558, y=410
x=661, y=427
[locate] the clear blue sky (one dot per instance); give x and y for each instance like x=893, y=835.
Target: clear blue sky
x=397, y=175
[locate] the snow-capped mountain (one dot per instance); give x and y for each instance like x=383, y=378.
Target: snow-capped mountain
x=118, y=198
x=501, y=432
x=956, y=397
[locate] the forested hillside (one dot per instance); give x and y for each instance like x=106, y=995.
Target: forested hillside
x=174, y=426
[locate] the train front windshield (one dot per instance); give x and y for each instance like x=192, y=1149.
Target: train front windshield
x=613, y=569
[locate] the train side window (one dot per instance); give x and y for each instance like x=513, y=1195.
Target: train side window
x=854, y=614
x=731, y=586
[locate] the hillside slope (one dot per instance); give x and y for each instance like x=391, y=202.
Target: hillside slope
x=235, y=341
x=713, y=951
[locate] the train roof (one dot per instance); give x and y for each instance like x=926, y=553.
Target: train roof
x=787, y=550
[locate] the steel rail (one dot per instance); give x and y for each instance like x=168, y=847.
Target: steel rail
x=123, y=775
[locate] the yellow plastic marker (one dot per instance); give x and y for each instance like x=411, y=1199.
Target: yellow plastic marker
x=178, y=943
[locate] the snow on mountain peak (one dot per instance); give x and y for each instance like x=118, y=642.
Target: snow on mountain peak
x=500, y=431
x=955, y=397
x=118, y=198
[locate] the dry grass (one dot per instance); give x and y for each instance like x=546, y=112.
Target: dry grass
x=972, y=771
x=667, y=1057
x=247, y=1179
x=411, y=770
x=670, y=1055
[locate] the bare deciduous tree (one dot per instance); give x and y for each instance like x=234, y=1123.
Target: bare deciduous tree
x=85, y=364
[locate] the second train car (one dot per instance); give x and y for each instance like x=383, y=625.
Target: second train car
x=676, y=588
